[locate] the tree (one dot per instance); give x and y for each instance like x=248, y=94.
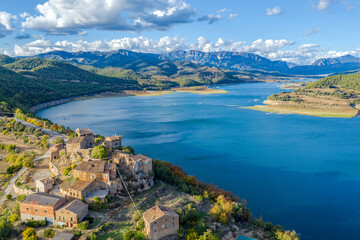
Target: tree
x=8, y=197
x=128, y=150
x=11, y=148
x=49, y=233
x=28, y=232
x=83, y=225
x=13, y=217
x=67, y=170
x=100, y=152
x=222, y=210
x=6, y=228
x=287, y=235
x=208, y=235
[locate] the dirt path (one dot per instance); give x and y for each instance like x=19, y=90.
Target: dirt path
x=10, y=186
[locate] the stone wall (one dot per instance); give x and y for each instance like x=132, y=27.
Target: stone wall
x=21, y=191
x=54, y=169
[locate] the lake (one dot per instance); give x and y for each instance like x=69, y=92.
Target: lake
x=299, y=171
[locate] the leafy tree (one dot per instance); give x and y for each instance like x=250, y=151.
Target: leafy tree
x=8, y=197
x=222, y=210
x=28, y=232
x=286, y=235
x=99, y=152
x=209, y=235
x=13, y=217
x=128, y=150
x=67, y=170
x=83, y=225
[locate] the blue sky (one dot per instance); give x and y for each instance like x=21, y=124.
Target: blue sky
x=298, y=31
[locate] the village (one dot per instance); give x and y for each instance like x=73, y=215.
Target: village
x=76, y=179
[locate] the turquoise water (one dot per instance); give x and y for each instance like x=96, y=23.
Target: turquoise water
x=298, y=171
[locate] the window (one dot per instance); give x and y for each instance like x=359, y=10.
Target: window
x=63, y=218
x=154, y=228
x=173, y=224
x=45, y=211
x=59, y=218
x=71, y=219
x=105, y=175
x=165, y=226
x=27, y=209
x=92, y=176
x=35, y=209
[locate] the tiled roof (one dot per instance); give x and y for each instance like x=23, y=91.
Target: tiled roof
x=156, y=212
x=57, y=147
x=80, y=185
x=75, y=206
x=85, y=131
x=46, y=180
x=42, y=199
x=75, y=140
x=96, y=166
x=140, y=157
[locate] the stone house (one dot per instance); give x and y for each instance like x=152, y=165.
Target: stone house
x=95, y=170
x=41, y=206
x=113, y=142
x=84, y=132
x=138, y=164
x=80, y=189
x=45, y=184
x=55, y=151
x=160, y=222
x=80, y=145
x=71, y=213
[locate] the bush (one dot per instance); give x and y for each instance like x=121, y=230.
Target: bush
x=11, y=148
x=133, y=235
x=49, y=233
x=77, y=233
x=13, y=217
x=36, y=224
x=67, y=170
x=57, y=140
x=99, y=152
x=128, y=150
x=83, y=225
x=28, y=233
x=8, y=197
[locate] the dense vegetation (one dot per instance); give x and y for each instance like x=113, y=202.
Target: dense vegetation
x=350, y=81
x=286, y=98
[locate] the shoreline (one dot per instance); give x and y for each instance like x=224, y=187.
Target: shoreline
x=127, y=93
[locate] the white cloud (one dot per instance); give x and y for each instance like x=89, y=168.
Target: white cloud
x=311, y=31
x=6, y=23
x=273, y=11
x=71, y=16
x=233, y=15
x=270, y=48
x=210, y=18
x=323, y=4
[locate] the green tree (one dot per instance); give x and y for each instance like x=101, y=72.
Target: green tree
x=67, y=170
x=208, y=235
x=286, y=235
x=128, y=150
x=8, y=197
x=83, y=225
x=49, y=233
x=100, y=152
x=28, y=232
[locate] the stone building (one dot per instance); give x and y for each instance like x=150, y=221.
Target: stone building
x=41, y=206
x=82, y=145
x=113, y=142
x=160, y=222
x=84, y=132
x=138, y=164
x=80, y=189
x=95, y=170
x=45, y=184
x=55, y=151
x=71, y=213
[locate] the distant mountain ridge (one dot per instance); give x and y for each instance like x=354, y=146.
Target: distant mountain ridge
x=169, y=63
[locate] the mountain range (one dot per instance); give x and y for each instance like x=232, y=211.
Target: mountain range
x=168, y=63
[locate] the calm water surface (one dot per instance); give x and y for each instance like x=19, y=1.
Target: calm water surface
x=298, y=171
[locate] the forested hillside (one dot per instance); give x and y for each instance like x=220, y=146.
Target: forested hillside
x=350, y=81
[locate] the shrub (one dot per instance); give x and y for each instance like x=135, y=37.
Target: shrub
x=8, y=197
x=36, y=224
x=83, y=225
x=67, y=170
x=13, y=217
x=99, y=152
x=77, y=233
x=28, y=232
x=49, y=233
x=11, y=148
x=133, y=235
x=128, y=150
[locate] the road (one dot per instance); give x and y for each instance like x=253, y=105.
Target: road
x=9, y=188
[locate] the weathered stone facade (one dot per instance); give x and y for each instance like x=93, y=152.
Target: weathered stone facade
x=138, y=164
x=80, y=189
x=95, y=170
x=113, y=142
x=71, y=214
x=40, y=206
x=160, y=222
x=55, y=151
x=45, y=184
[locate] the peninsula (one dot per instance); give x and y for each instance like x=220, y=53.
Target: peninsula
x=334, y=96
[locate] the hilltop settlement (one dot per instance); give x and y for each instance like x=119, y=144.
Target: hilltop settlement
x=78, y=185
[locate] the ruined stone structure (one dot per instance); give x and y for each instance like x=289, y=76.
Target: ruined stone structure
x=41, y=206
x=45, y=184
x=71, y=213
x=113, y=142
x=160, y=222
x=138, y=164
x=56, y=150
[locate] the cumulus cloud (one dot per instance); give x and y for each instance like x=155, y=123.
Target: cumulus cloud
x=273, y=11
x=210, y=18
x=72, y=17
x=6, y=23
x=311, y=31
x=270, y=48
x=233, y=15
x=323, y=4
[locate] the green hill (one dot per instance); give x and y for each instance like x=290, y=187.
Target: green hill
x=4, y=59
x=349, y=81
